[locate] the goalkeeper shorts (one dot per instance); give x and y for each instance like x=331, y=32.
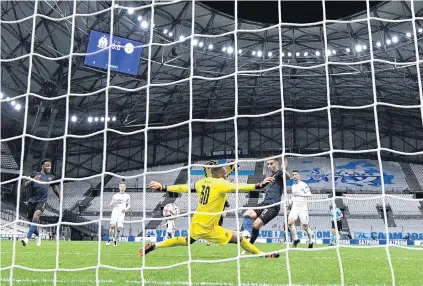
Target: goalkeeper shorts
x=216, y=234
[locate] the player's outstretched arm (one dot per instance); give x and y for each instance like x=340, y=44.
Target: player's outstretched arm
x=228, y=187
x=173, y=188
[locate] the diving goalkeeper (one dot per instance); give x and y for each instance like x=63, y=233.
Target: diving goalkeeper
x=211, y=199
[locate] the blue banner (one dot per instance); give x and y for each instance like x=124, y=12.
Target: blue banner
x=125, y=54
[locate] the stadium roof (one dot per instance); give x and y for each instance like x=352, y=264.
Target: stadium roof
x=259, y=86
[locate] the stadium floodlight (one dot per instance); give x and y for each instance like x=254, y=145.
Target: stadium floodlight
x=165, y=31
x=108, y=118
x=13, y=103
x=230, y=50
x=102, y=119
x=289, y=54
x=269, y=54
x=114, y=118
x=139, y=18
x=348, y=50
x=334, y=52
x=259, y=53
x=181, y=38
x=364, y=47
x=200, y=44
x=210, y=47
x=116, y=5
x=96, y=119
x=253, y=53
x=305, y=54
x=194, y=42
x=420, y=30
x=74, y=118
x=131, y=10
x=378, y=44
x=317, y=53
x=18, y=106
x=170, y=34
x=328, y=52
x=7, y=98
x=388, y=41
x=283, y=54
x=144, y=24
x=408, y=34
x=239, y=51
x=224, y=49
x=297, y=54
x=358, y=48
x=90, y=119
x=394, y=39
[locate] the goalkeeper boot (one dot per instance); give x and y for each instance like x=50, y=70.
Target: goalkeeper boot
x=296, y=243
x=115, y=243
x=147, y=248
x=310, y=245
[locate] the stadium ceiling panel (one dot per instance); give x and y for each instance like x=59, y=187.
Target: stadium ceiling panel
x=304, y=87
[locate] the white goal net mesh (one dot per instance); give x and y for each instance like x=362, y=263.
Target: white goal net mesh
x=189, y=38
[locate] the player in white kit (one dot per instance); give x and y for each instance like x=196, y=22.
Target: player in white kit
x=300, y=194
x=121, y=203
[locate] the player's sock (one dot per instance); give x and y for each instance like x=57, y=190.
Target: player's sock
x=247, y=223
x=32, y=227
x=247, y=246
x=254, y=235
x=293, y=230
x=309, y=235
x=111, y=235
x=332, y=238
x=117, y=232
x=174, y=241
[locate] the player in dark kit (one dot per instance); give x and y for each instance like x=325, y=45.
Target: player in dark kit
x=254, y=219
x=37, y=198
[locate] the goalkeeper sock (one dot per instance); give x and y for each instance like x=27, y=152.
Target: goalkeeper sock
x=247, y=223
x=293, y=230
x=247, y=246
x=254, y=235
x=174, y=241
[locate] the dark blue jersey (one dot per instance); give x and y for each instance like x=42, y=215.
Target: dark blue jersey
x=274, y=189
x=38, y=192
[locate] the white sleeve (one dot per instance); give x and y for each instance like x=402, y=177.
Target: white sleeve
x=128, y=203
x=113, y=201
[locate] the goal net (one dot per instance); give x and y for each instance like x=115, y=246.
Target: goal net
x=146, y=91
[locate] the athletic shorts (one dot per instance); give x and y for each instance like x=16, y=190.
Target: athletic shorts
x=338, y=224
x=117, y=218
x=299, y=212
x=267, y=214
x=216, y=234
x=33, y=207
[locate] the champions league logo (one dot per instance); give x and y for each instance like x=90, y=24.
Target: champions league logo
x=356, y=173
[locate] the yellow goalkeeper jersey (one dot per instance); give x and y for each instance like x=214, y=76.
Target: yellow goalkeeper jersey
x=211, y=194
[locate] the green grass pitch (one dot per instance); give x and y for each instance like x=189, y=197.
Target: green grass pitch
x=361, y=266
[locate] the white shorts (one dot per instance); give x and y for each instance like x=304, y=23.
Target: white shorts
x=118, y=217
x=299, y=212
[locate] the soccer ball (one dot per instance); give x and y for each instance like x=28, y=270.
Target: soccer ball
x=246, y=234
x=170, y=210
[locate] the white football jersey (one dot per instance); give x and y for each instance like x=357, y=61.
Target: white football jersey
x=300, y=194
x=121, y=201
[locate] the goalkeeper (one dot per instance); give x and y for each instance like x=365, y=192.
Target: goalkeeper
x=211, y=199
